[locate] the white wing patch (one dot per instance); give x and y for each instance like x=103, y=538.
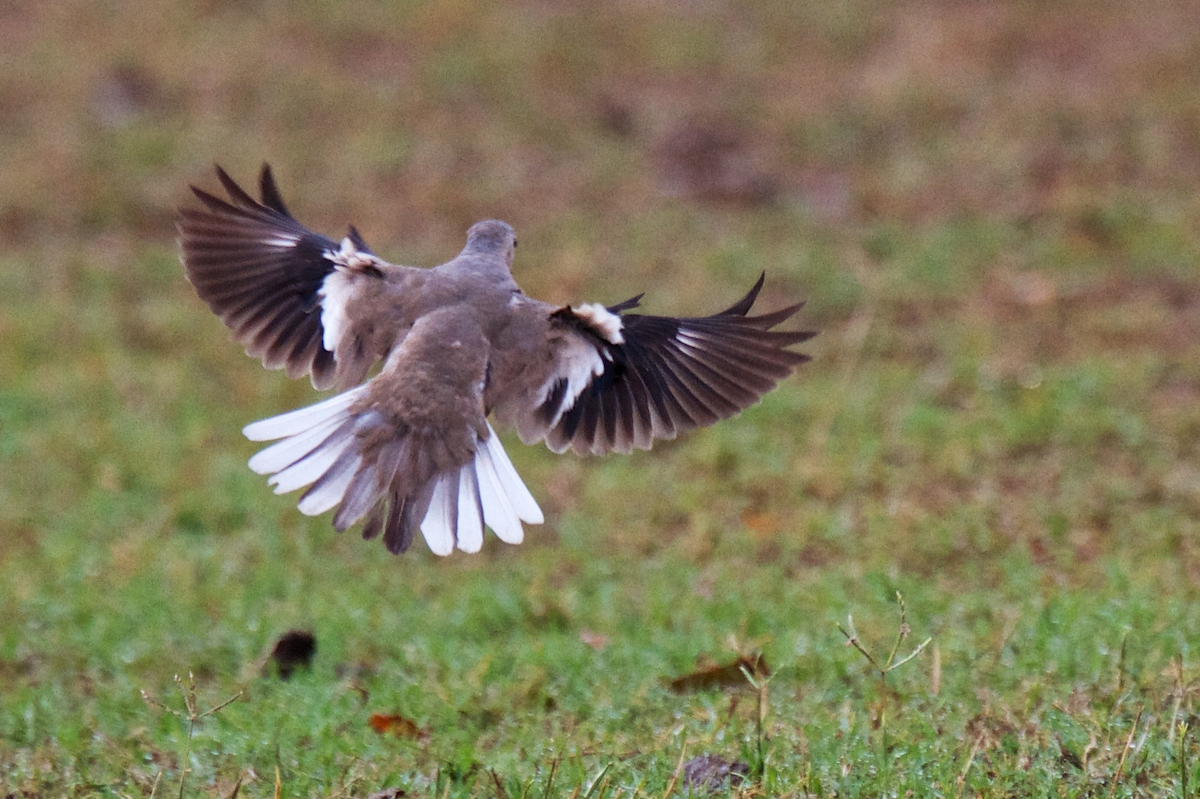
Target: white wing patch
x=603, y=321
x=351, y=258
x=337, y=288
x=578, y=364
x=335, y=294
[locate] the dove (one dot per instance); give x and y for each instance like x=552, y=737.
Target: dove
x=411, y=447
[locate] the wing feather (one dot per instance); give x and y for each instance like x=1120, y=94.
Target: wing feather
x=661, y=376
x=262, y=273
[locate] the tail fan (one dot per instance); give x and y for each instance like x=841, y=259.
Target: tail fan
x=318, y=446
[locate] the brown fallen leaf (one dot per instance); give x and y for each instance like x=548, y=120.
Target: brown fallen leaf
x=729, y=675
x=397, y=725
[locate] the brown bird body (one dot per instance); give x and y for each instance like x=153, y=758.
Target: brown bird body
x=411, y=448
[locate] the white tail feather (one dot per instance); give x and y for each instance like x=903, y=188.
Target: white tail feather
x=278, y=457
x=331, y=493
x=298, y=421
x=486, y=490
x=498, y=509
x=306, y=471
x=470, y=523
x=489, y=491
x=438, y=524
x=523, y=502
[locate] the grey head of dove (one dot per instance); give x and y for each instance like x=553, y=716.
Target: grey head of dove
x=412, y=448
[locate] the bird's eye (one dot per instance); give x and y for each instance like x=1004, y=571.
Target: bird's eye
x=514, y=243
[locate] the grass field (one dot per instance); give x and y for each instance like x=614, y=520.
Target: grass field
x=992, y=210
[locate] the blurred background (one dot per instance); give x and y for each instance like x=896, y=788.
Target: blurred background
x=601, y=132
x=991, y=208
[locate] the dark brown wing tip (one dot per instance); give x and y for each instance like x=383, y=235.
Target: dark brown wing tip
x=270, y=191
x=764, y=321
x=767, y=321
x=742, y=306
x=626, y=305
x=357, y=240
x=210, y=201
x=236, y=193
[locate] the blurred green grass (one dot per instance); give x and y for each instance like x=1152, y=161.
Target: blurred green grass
x=991, y=210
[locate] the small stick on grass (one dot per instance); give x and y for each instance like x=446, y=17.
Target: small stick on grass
x=678, y=770
x=962, y=778
x=1124, y=752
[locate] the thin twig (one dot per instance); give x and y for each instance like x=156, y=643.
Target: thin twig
x=678, y=770
x=760, y=685
x=1124, y=752
x=185, y=766
x=189, y=702
x=962, y=778
x=852, y=640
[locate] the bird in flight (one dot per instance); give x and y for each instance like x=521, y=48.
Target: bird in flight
x=411, y=448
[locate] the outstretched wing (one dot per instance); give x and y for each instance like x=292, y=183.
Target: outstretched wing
x=262, y=273
x=619, y=381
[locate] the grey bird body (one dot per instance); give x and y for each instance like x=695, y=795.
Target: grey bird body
x=411, y=448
